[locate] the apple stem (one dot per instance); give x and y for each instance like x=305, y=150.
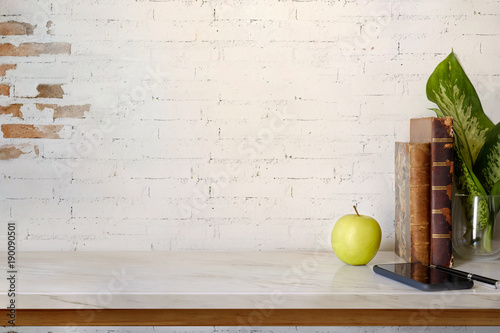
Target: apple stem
x=356, y=210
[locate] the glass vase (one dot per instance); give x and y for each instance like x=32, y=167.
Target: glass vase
x=476, y=226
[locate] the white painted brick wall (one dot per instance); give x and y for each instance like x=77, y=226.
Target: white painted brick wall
x=226, y=124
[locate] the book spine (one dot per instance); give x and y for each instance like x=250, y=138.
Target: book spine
x=402, y=200
x=441, y=192
x=420, y=202
x=412, y=189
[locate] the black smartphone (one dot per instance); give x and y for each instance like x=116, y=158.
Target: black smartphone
x=423, y=277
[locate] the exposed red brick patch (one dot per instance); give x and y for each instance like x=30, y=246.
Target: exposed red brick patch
x=5, y=67
x=10, y=152
x=50, y=91
x=66, y=111
x=4, y=90
x=31, y=131
x=49, y=27
x=16, y=28
x=13, y=109
x=34, y=49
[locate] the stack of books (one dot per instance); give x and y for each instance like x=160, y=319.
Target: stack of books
x=424, y=181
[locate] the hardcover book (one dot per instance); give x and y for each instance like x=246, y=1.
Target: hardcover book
x=412, y=218
x=439, y=133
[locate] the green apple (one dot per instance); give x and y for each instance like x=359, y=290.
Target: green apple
x=356, y=238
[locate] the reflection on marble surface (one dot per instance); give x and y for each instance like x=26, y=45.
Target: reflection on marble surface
x=225, y=280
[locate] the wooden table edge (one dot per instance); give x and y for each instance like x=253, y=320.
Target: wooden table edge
x=252, y=317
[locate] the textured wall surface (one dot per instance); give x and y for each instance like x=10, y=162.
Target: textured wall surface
x=176, y=125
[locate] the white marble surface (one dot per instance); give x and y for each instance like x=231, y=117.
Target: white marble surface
x=266, y=280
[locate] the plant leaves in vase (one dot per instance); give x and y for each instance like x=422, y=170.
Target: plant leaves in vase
x=467, y=183
x=450, y=88
x=487, y=169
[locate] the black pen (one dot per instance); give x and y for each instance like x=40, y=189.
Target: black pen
x=488, y=282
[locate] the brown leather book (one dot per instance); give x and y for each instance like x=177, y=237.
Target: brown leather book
x=412, y=186
x=438, y=132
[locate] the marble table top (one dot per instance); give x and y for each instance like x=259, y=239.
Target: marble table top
x=224, y=280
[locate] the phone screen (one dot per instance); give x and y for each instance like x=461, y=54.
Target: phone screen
x=423, y=277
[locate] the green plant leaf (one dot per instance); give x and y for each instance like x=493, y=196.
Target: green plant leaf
x=487, y=166
x=496, y=188
x=450, y=88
